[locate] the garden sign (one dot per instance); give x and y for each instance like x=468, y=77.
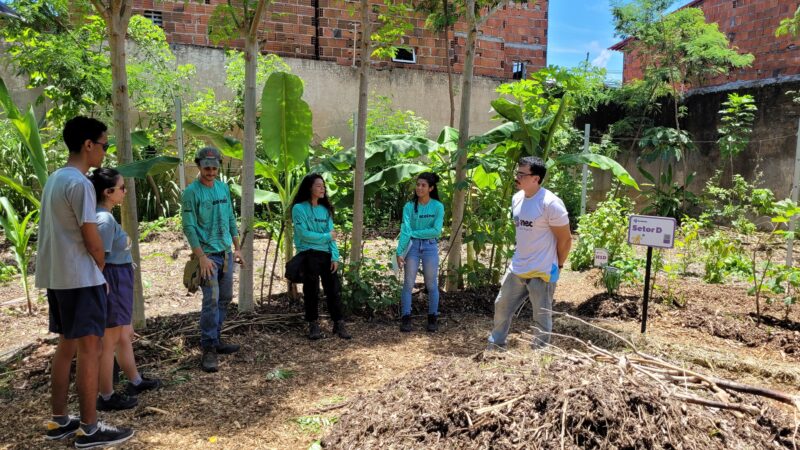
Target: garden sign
x=650, y=231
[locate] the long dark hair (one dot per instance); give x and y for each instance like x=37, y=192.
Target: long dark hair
x=304, y=192
x=432, y=179
x=103, y=178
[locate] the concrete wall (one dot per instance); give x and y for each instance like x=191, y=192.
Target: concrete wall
x=332, y=91
x=772, y=146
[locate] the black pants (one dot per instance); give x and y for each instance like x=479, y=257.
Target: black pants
x=318, y=266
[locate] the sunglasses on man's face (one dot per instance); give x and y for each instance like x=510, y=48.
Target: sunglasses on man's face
x=105, y=145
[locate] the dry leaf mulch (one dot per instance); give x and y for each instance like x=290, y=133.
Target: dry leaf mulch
x=512, y=402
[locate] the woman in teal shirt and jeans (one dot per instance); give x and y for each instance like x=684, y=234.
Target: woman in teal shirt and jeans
x=312, y=218
x=419, y=241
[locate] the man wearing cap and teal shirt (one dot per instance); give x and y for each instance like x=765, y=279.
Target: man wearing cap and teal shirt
x=210, y=227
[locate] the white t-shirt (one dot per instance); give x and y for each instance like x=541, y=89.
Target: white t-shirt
x=535, y=255
x=62, y=261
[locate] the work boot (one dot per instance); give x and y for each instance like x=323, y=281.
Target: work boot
x=340, y=330
x=432, y=325
x=209, y=362
x=405, y=323
x=313, y=331
x=226, y=349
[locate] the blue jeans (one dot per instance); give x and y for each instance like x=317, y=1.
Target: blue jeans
x=513, y=293
x=217, y=295
x=426, y=250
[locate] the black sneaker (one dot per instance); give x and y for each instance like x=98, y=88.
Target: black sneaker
x=405, y=324
x=433, y=326
x=226, y=349
x=56, y=431
x=117, y=402
x=104, y=435
x=340, y=330
x=147, y=384
x=313, y=331
x=209, y=361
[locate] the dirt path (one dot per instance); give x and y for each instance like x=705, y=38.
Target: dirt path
x=283, y=391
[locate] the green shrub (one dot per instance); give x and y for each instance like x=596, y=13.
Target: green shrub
x=369, y=287
x=719, y=247
x=606, y=227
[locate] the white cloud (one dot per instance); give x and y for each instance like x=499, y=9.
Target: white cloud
x=602, y=59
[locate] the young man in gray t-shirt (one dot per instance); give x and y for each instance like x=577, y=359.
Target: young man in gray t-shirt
x=69, y=262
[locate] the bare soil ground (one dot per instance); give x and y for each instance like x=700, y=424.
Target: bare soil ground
x=283, y=391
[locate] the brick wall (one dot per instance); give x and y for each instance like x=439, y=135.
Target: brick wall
x=323, y=29
x=750, y=25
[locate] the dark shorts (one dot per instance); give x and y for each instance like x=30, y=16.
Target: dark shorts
x=79, y=312
x=120, y=296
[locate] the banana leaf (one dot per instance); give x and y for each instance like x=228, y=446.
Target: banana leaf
x=600, y=162
x=151, y=166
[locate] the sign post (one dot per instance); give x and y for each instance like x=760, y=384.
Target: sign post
x=650, y=231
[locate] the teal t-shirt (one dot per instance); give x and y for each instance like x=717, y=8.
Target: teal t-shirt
x=312, y=229
x=207, y=215
x=424, y=223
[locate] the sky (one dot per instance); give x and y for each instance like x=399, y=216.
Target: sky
x=578, y=27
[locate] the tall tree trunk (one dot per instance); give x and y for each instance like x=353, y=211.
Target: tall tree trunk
x=247, y=208
x=459, y=195
x=361, y=137
x=248, y=173
x=117, y=17
x=450, y=92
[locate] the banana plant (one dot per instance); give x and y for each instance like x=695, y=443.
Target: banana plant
x=27, y=129
x=18, y=233
x=535, y=138
x=285, y=134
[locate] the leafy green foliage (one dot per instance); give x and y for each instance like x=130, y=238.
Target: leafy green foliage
x=314, y=424
x=7, y=273
x=718, y=247
x=383, y=119
x=279, y=374
x=737, y=205
x=688, y=242
x=789, y=25
x=70, y=62
x=679, y=47
x=606, y=227
x=393, y=25
x=369, y=287
x=18, y=232
x=31, y=162
x=736, y=117
x=287, y=134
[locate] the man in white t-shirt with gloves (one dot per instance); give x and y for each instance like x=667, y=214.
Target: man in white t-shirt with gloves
x=543, y=242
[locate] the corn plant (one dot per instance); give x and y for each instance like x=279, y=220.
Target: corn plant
x=18, y=234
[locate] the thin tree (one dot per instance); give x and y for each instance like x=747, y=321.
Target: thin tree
x=460, y=182
x=232, y=20
x=380, y=44
x=117, y=16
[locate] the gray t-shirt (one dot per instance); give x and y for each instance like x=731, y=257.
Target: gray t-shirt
x=115, y=241
x=62, y=260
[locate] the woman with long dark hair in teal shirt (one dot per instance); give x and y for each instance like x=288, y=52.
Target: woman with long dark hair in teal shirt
x=419, y=242
x=312, y=218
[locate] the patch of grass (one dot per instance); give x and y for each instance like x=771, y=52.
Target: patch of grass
x=279, y=374
x=336, y=399
x=314, y=424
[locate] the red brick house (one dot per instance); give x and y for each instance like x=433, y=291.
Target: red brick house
x=749, y=25
x=511, y=43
